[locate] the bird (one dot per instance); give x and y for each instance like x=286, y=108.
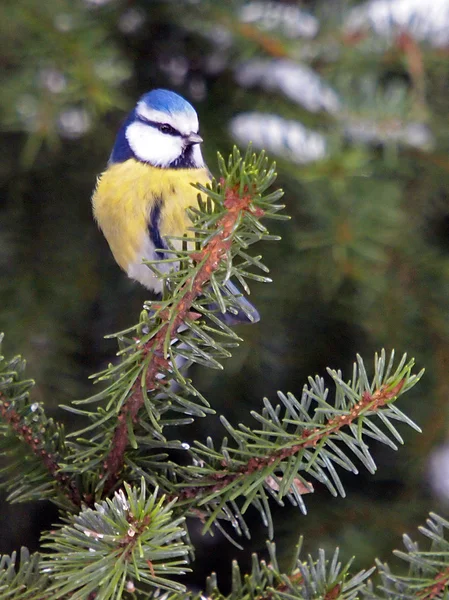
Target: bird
x=143, y=194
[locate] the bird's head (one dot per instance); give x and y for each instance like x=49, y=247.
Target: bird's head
x=162, y=130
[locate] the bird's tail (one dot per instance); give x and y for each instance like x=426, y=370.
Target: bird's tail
x=242, y=311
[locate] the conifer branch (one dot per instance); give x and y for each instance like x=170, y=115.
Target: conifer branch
x=223, y=227
x=38, y=446
x=132, y=542
x=208, y=260
x=319, y=578
x=280, y=459
x=34, y=441
x=307, y=439
x=21, y=579
x=428, y=574
x=128, y=544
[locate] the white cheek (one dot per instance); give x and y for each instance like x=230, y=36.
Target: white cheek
x=197, y=156
x=152, y=146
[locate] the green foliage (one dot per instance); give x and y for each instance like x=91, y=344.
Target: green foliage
x=349, y=238
x=362, y=145
x=22, y=581
x=428, y=574
x=128, y=543
x=31, y=443
x=57, y=68
x=317, y=578
x=159, y=332
x=299, y=440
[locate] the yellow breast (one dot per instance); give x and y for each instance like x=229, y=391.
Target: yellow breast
x=124, y=197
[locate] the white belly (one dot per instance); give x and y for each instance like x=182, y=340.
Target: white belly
x=143, y=273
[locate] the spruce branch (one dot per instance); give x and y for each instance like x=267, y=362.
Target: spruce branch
x=323, y=578
x=185, y=325
x=238, y=197
x=307, y=441
x=33, y=443
x=428, y=574
x=22, y=581
x=177, y=312
x=130, y=543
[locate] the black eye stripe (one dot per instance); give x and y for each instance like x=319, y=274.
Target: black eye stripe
x=166, y=128
x=163, y=127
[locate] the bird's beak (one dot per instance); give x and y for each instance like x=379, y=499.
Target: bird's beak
x=194, y=138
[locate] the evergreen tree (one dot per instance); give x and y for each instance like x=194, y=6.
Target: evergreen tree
x=350, y=98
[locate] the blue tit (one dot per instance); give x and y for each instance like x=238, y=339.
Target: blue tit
x=143, y=194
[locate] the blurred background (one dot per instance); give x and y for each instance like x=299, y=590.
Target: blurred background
x=351, y=100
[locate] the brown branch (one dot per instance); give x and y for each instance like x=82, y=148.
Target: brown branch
x=268, y=43
x=210, y=258
x=415, y=64
x=36, y=445
x=441, y=581
x=309, y=438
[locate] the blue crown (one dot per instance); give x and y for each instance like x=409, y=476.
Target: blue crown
x=167, y=101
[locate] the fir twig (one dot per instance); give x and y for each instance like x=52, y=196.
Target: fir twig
x=131, y=543
x=280, y=459
x=428, y=575
x=208, y=259
x=23, y=581
x=307, y=578
x=240, y=204
x=36, y=444
x=32, y=440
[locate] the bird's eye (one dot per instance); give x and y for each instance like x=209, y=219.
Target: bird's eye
x=165, y=128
